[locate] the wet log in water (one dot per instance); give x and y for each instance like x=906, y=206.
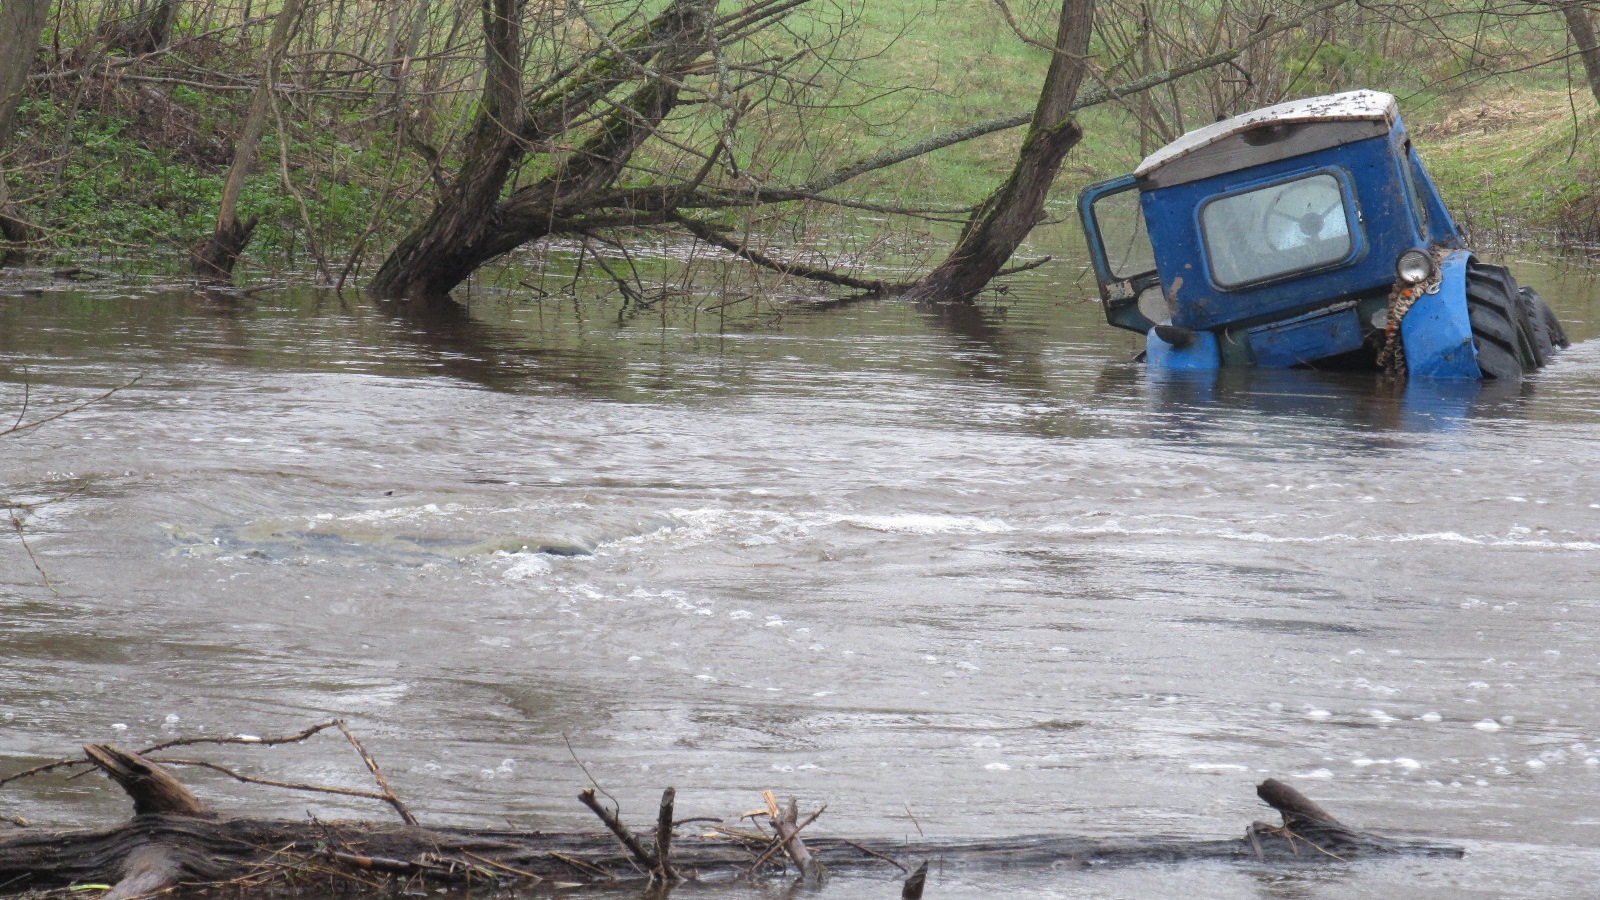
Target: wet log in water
x=173, y=839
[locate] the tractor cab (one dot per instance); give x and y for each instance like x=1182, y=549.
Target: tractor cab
x=1305, y=234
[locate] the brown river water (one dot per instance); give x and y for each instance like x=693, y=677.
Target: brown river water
x=968, y=572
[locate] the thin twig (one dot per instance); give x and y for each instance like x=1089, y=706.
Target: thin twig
x=239, y=739
x=27, y=393
x=377, y=775
x=502, y=866
x=888, y=859
x=574, y=754
x=914, y=820
x=18, y=428
x=47, y=767
x=22, y=536
x=581, y=866
x=267, y=782
x=1023, y=267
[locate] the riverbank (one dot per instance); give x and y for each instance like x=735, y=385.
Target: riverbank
x=1518, y=165
x=127, y=171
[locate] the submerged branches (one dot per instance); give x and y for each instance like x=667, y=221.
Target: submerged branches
x=177, y=839
x=147, y=754
x=712, y=235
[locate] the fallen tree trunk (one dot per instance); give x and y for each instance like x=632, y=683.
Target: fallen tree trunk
x=174, y=840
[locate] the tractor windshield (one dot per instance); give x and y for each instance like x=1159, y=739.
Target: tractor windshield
x=1286, y=227
x=1120, y=223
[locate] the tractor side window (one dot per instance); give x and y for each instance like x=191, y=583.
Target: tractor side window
x=1123, y=235
x=1275, y=230
x=1419, y=206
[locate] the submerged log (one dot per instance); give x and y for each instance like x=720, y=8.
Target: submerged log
x=173, y=840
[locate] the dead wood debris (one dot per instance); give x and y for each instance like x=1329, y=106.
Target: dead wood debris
x=174, y=841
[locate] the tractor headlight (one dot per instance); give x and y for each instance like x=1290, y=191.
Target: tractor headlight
x=1414, y=266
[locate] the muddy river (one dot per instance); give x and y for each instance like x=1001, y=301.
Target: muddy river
x=960, y=572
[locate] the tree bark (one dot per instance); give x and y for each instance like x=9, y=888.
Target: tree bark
x=1004, y=220
x=146, y=31
x=21, y=24
x=471, y=225
x=215, y=257
x=1581, y=27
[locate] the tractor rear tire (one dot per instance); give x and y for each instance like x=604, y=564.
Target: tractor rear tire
x=1544, y=318
x=1500, y=324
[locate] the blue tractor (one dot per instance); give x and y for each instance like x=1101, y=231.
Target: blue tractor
x=1306, y=234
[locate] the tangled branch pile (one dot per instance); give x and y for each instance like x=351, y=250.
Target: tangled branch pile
x=175, y=840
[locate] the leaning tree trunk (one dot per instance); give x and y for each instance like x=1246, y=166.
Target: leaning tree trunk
x=1004, y=220
x=492, y=149
x=1581, y=27
x=471, y=225
x=21, y=23
x=215, y=257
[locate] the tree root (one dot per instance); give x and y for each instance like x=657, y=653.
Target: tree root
x=214, y=258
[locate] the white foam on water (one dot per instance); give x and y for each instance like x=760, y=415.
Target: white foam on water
x=527, y=566
x=1513, y=540
x=402, y=513
x=923, y=523
x=750, y=527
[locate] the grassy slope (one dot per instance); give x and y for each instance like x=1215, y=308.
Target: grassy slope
x=910, y=69
x=1518, y=159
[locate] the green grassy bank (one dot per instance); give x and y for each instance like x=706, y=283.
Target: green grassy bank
x=131, y=169
x=1519, y=163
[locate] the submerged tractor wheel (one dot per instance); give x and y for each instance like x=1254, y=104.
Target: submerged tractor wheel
x=1513, y=327
x=1541, y=314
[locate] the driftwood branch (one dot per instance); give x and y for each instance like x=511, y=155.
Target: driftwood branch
x=151, y=787
x=663, y=870
x=912, y=890
x=618, y=828
x=786, y=824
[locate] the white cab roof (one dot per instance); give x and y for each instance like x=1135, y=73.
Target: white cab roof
x=1350, y=106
